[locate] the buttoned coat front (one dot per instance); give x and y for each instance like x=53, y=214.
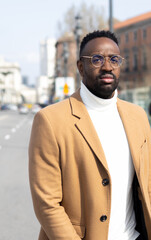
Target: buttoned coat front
x=67, y=166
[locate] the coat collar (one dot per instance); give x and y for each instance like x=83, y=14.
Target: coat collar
x=86, y=128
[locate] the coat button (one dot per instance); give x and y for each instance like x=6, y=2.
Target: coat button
x=103, y=218
x=105, y=182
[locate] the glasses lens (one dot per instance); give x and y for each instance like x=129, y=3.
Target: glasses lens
x=116, y=61
x=98, y=60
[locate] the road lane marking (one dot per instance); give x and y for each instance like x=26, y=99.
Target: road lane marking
x=13, y=130
x=7, y=137
x=3, y=117
x=20, y=124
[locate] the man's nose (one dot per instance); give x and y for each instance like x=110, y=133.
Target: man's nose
x=107, y=66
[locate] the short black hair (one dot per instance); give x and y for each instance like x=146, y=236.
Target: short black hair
x=97, y=34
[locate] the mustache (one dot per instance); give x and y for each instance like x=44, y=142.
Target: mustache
x=103, y=73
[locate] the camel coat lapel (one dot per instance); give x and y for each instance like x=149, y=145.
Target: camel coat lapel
x=86, y=128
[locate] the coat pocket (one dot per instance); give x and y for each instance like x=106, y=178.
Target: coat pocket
x=80, y=230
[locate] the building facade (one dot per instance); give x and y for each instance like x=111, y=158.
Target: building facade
x=135, y=44
x=66, y=56
x=10, y=82
x=47, y=70
x=47, y=57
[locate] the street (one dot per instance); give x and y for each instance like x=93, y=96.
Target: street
x=17, y=218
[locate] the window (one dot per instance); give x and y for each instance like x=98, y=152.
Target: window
x=144, y=61
x=144, y=33
x=127, y=62
x=126, y=37
x=135, y=61
x=135, y=35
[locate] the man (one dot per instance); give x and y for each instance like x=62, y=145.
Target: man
x=90, y=156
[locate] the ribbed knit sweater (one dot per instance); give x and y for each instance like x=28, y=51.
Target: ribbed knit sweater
x=109, y=127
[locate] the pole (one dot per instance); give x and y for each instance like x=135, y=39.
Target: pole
x=110, y=16
x=65, y=55
x=78, y=32
x=78, y=75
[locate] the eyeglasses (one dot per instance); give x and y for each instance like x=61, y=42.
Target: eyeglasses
x=99, y=60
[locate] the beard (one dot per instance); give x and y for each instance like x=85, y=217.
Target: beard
x=102, y=89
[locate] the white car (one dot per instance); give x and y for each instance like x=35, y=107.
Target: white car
x=36, y=108
x=23, y=110
x=12, y=107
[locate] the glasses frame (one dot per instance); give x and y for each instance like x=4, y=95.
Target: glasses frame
x=104, y=57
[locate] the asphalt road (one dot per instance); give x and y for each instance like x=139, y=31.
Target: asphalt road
x=17, y=218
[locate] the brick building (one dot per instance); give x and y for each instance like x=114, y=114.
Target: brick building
x=66, y=56
x=135, y=43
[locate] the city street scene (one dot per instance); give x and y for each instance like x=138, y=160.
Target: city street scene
x=39, y=49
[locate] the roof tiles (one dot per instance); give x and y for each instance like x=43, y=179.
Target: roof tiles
x=133, y=20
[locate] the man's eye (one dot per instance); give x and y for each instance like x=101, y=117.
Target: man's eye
x=96, y=59
x=114, y=60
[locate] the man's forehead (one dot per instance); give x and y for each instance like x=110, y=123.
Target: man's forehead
x=100, y=44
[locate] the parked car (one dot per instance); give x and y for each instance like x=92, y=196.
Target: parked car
x=4, y=107
x=36, y=108
x=12, y=107
x=23, y=110
x=9, y=106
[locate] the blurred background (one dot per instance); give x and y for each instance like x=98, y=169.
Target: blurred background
x=39, y=47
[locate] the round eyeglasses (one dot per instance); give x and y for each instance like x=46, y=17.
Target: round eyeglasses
x=99, y=60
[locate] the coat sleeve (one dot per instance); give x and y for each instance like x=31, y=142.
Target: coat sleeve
x=149, y=147
x=46, y=182
x=146, y=126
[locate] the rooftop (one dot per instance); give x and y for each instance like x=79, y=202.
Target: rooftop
x=133, y=20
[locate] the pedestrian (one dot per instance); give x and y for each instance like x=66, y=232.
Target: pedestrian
x=90, y=156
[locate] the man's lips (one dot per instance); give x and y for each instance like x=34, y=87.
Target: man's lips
x=107, y=78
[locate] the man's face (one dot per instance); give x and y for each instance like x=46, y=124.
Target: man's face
x=101, y=81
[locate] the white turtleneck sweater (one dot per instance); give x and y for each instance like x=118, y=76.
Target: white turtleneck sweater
x=110, y=130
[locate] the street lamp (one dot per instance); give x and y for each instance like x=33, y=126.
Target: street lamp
x=65, y=57
x=78, y=33
x=110, y=16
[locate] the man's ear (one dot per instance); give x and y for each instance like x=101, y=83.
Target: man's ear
x=80, y=67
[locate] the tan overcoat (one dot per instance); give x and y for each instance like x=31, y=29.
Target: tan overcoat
x=67, y=166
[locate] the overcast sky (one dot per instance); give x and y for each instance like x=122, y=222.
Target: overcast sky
x=24, y=23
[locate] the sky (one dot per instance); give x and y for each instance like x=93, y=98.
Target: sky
x=24, y=23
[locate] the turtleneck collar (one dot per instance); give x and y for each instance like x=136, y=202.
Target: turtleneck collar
x=93, y=102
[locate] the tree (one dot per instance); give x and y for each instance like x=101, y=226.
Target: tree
x=92, y=19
